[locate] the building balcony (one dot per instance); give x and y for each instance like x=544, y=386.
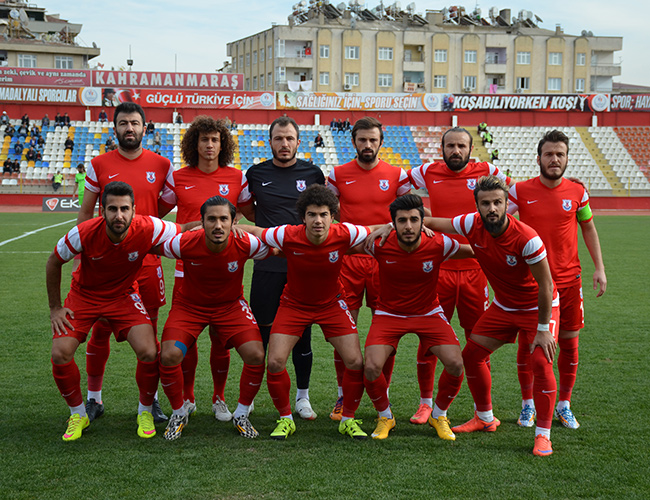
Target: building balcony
x=300, y=61
x=495, y=69
x=605, y=69
x=413, y=66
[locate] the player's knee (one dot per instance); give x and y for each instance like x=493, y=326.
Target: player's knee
x=61, y=355
x=147, y=354
x=355, y=364
x=275, y=365
x=455, y=367
x=171, y=357
x=371, y=370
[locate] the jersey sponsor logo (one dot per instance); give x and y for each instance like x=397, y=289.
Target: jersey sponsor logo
x=301, y=185
x=566, y=205
x=133, y=256
x=334, y=256
x=350, y=182
x=384, y=184
x=233, y=266
x=343, y=305
x=532, y=201
x=189, y=187
x=437, y=182
x=224, y=189
x=471, y=183
x=114, y=175
x=151, y=177
x=478, y=246
x=266, y=183
x=511, y=260
x=427, y=266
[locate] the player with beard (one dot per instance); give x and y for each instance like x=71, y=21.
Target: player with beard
x=412, y=305
x=555, y=207
x=148, y=174
x=275, y=185
x=461, y=285
x=365, y=186
x=513, y=257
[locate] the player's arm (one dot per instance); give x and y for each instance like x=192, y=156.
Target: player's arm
x=440, y=224
x=544, y=338
x=590, y=235
x=464, y=252
x=254, y=230
x=164, y=208
x=365, y=244
x=87, y=209
x=58, y=314
x=247, y=211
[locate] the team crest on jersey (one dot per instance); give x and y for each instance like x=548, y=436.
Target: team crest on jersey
x=135, y=297
x=427, y=266
x=471, y=183
x=566, y=205
x=343, y=305
x=224, y=189
x=233, y=266
x=384, y=184
x=133, y=256
x=301, y=185
x=151, y=177
x=511, y=260
x=159, y=272
x=334, y=256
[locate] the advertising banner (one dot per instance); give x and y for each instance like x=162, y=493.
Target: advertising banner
x=163, y=80
x=206, y=99
x=351, y=101
x=41, y=95
x=631, y=102
x=524, y=102
x=60, y=204
x=46, y=77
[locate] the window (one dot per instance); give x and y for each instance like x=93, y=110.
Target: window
x=352, y=79
x=385, y=54
x=269, y=52
x=554, y=84
x=580, y=84
x=324, y=78
x=440, y=56
x=261, y=55
x=581, y=59
x=469, y=82
x=385, y=80
x=280, y=74
x=254, y=83
x=470, y=56
x=261, y=82
x=555, y=58
x=324, y=51
x=63, y=62
x=248, y=59
x=247, y=84
x=279, y=51
x=523, y=57
x=241, y=62
x=255, y=57
x=408, y=55
x=26, y=61
x=351, y=52
x=269, y=79
x=523, y=83
x=440, y=81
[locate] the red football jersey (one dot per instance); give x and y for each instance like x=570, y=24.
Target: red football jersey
x=553, y=213
x=452, y=193
x=505, y=259
x=213, y=278
x=365, y=195
x=313, y=270
x=108, y=269
x=417, y=294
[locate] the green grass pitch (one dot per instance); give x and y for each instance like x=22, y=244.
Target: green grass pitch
x=606, y=458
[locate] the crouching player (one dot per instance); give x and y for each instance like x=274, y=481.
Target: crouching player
x=112, y=248
x=409, y=263
x=211, y=294
x=314, y=294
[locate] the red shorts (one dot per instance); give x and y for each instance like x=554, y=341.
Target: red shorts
x=572, y=312
x=359, y=273
x=151, y=283
x=122, y=314
x=431, y=330
x=504, y=325
x=467, y=292
x=335, y=320
x=233, y=323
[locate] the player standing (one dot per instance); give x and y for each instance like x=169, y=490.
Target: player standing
x=146, y=172
x=314, y=294
x=112, y=249
x=275, y=185
x=207, y=150
x=211, y=293
x=461, y=285
x=365, y=186
x=525, y=302
x=555, y=207
x=411, y=305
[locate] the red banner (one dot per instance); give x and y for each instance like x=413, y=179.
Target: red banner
x=631, y=102
x=162, y=80
x=46, y=77
x=41, y=95
x=209, y=99
x=523, y=102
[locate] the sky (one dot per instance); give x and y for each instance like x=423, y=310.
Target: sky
x=164, y=35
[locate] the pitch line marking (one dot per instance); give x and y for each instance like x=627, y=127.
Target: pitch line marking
x=29, y=233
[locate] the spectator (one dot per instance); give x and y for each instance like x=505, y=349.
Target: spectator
x=339, y=125
x=7, y=166
x=508, y=174
x=16, y=166
x=57, y=180
x=23, y=131
x=234, y=125
x=40, y=144
x=157, y=140
x=18, y=148
x=487, y=138
x=318, y=141
x=346, y=125
x=25, y=120
x=482, y=127
x=150, y=127
x=333, y=125
x=494, y=155
x=66, y=120
x=69, y=144
x=103, y=117
x=10, y=130
x=45, y=122
x=58, y=120
x=4, y=119
x=39, y=156
x=35, y=132
x=31, y=154
x=32, y=142
x=179, y=118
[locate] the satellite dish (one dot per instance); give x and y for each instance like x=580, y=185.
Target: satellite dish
x=411, y=7
x=494, y=12
x=14, y=14
x=341, y=6
x=23, y=17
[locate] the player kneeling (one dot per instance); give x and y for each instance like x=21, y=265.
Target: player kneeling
x=409, y=262
x=211, y=294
